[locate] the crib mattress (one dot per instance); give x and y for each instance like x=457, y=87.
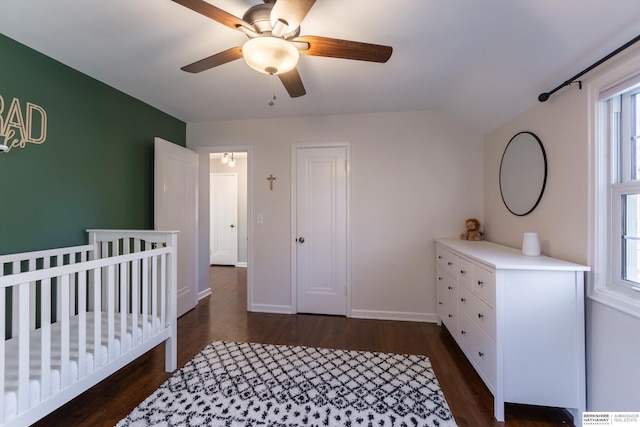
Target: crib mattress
x=101, y=355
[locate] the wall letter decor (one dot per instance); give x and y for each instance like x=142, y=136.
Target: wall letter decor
x=19, y=126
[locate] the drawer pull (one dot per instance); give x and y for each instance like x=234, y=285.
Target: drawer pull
x=463, y=300
x=480, y=316
x=480, y=283
x=439, y=278
x=449, y=263
x=439, y=302
x=481, y=354
x=450, y=288
x=451, y=315
x=462, y=272
x=439, y=256
x=463, y=332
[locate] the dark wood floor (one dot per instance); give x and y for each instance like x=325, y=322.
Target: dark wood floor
x=223, y=316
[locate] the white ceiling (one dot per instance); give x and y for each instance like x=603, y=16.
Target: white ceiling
x=480, y=60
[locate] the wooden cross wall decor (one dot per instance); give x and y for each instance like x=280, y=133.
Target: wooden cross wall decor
x=271, y=178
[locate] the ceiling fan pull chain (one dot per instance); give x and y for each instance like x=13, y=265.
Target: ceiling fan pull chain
x=272, y=78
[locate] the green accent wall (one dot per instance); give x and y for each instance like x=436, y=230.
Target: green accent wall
x=95, y=168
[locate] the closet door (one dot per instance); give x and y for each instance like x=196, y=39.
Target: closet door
x=321, y=230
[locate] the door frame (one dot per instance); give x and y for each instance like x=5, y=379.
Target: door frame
x=294, y=225
x=250, y=214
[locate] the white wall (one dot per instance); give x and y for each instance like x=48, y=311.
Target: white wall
x=414, y=176
x=562, y=221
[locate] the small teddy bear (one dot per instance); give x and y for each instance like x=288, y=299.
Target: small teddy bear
x=473, y=230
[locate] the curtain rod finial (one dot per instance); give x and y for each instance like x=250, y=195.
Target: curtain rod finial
x=543, y=96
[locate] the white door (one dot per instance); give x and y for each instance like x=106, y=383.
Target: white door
x=175, y=208
x=321, y=230
x=224, y=218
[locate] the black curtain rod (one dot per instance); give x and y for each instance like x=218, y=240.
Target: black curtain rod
x=544, y=96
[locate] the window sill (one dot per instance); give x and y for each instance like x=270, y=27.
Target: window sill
x=617, y=300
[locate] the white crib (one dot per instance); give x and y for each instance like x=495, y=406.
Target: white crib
x=108, y=303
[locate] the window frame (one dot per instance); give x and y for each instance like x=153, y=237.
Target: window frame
x=605, y=281
x=616, y=244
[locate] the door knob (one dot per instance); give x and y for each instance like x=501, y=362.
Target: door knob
x=300, y=239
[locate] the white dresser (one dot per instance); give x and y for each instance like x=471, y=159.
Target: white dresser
x=518, y=319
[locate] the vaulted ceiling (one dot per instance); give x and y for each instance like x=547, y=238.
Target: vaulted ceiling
x=482, y=61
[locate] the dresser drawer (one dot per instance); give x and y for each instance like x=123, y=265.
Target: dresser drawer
x=447, y=288
x=465, y=272
x=479, y=350
x=447, y=305
x=447, y=260
x=485, y=284
x=479, y=280
x=483, y=315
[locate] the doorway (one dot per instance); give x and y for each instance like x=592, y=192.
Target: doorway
x=228, y=198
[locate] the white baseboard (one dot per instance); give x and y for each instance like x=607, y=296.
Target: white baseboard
x=269, y=308
x=241, y=264
x=203, y=294
x=394, y=315
x=356, y=314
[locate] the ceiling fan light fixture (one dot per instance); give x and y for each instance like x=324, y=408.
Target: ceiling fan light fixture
x=270, y=55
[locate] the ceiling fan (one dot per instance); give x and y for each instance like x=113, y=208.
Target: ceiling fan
x=275, y=43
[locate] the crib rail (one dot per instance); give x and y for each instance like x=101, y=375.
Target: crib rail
x=31, y=261
x=109, y=242
x=123, y=281
x=115, y=240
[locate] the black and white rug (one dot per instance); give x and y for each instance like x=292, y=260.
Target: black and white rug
x=237, y=384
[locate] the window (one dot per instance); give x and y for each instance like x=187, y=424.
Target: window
x=623, y=117
x=617, y=196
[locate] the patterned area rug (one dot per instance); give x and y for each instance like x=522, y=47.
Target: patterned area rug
x=235, y=384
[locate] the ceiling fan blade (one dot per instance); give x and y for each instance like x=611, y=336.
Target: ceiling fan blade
x=346, y=49
x=214, y=60
x=292, y=12
x=293, y=83
x=215, y=13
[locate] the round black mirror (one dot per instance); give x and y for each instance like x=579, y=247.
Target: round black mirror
x=523, y=173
